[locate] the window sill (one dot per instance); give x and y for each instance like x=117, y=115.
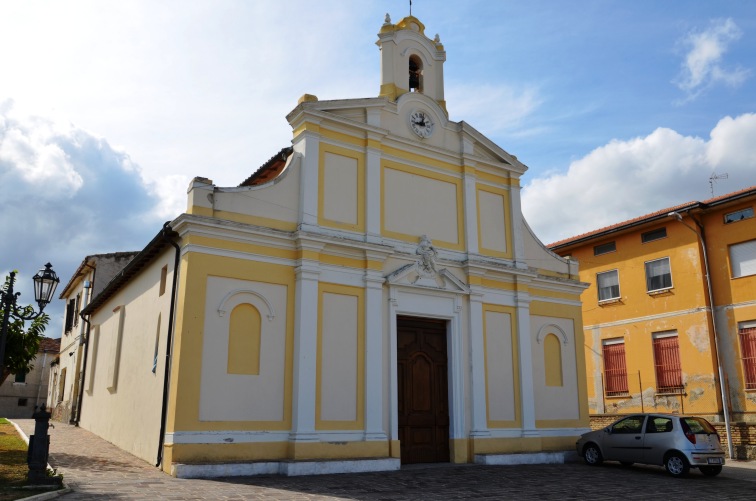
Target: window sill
x=659, y=292
x=609, y=302
x=16, y=383
x=619, y=395
x=668, y=393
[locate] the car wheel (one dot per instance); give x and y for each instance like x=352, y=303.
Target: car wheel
x=592, y=455
x=676, y=465
x=626, y=463
x=710, y=471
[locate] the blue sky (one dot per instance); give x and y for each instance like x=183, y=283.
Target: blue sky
x=108, y=109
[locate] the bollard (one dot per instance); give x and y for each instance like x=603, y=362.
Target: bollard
x=39, y=447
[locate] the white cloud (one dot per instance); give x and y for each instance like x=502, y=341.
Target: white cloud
x=66, y=194
x=703, y=64
x=626, y=179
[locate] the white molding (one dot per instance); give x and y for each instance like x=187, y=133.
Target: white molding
x=222, y=305
x=548, y=329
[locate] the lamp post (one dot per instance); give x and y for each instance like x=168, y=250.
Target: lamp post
x=722, y=390
x=45, y=282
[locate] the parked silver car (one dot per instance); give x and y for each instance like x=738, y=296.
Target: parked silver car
x=670, y=440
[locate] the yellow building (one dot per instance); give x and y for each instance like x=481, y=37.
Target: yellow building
x=652, y=343
x=366, y=298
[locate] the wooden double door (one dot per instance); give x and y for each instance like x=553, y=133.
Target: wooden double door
x=422, y=390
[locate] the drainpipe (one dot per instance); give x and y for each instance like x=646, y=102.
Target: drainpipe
x=722, y=390
x=84, y=340
x=167, y=235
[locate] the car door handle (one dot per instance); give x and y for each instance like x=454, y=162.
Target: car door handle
x=637, y=438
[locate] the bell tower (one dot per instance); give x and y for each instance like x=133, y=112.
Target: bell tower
x=410, y=61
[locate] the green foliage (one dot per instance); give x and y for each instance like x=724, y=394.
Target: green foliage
x=22, y=342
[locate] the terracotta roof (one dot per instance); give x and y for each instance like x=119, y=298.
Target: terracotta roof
x=660, y=214
x=49, y=345
x=270, y=169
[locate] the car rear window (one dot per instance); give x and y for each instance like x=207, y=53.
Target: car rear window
x=698, y=425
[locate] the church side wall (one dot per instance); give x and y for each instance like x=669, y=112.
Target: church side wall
x=126, y=362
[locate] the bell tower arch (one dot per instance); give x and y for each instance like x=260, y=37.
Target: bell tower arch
x=410, y=61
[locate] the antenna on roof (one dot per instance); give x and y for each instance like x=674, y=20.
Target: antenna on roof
x=714, y=178
x=410, y=7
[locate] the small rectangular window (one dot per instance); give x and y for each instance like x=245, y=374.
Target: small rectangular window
x=608, y=285
x=20, y=378
x=163, y=279
x=667, y=362
x=604, y=248
x=743, y=259
x=747, y=334
x=658, y=275
x=615, y=369
x=76, y=310
x=70, y=313
x=652, y=235
x=23, y=402
x=738, y=215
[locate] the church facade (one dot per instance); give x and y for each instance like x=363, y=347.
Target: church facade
x=371, y=296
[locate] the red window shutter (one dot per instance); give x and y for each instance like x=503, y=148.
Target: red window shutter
x=615, y=370
x=748, y=350
x=667, y=361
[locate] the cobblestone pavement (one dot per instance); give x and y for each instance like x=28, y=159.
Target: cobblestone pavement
x=96, y=469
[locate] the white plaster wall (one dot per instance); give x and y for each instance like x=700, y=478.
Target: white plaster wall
x=129, y=415
x=417, y=205
x=340, y=188
x=242, y=397
x=499, y=367
x=278, y=199
x=537, y=255
x=493, y=234
x=555, y=402
x=338, y=380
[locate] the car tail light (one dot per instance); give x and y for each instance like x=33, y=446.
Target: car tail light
x=691, y=437
x=688, y=432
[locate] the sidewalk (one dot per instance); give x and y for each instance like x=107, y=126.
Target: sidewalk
x=96, y=469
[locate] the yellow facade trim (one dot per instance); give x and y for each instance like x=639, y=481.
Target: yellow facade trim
x=500, y=179
x=569, y=296
x=512, y=312
x=459, y=244
x=338, y=450
x=342, y=137
x=360, y=159
x=422, y=160
x=197, y=210
x=459, y=450
x=184, y=402
x=507, y=221
x=222, y=244
x=276, y=224
x=497, y=284
x=359, y=423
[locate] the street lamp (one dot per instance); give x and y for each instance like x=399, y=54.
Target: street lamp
x=45, y=282
x=722, y=390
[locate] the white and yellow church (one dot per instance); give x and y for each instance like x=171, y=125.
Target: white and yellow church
x=371, y=296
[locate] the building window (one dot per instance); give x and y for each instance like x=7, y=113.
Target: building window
x=76, y=310
x=61, y=385
x=667, y=362
x=163, y=279
x=20, y=378
x=608, y=285
x=615, y=369
x=604, y=248
x=70, y=313
x=652, y=235
x=658, y=275
x=743, y=259
x=23, y=402
x=747, y=334
x=157, y=346
x=415, y=74
x=738, y=215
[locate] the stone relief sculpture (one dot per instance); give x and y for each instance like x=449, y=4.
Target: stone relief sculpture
x=428, y=255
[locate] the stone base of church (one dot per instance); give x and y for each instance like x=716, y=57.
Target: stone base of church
x=559, y=457
x=287, y=468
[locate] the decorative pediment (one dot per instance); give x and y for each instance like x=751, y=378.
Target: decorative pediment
x=424, y=272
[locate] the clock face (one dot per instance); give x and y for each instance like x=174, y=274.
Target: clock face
x=421, y=123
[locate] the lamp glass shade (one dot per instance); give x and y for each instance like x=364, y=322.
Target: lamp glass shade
x=45, y=282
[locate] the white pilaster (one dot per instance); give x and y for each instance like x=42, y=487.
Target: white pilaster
x=305, y=352
x=471, y=210
x=477, y=365
x=526, y=365
x=374, y=312
x=393, y=377
x=456, y=374
x=308, y=144
x=517, y=228
x=373, y=189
